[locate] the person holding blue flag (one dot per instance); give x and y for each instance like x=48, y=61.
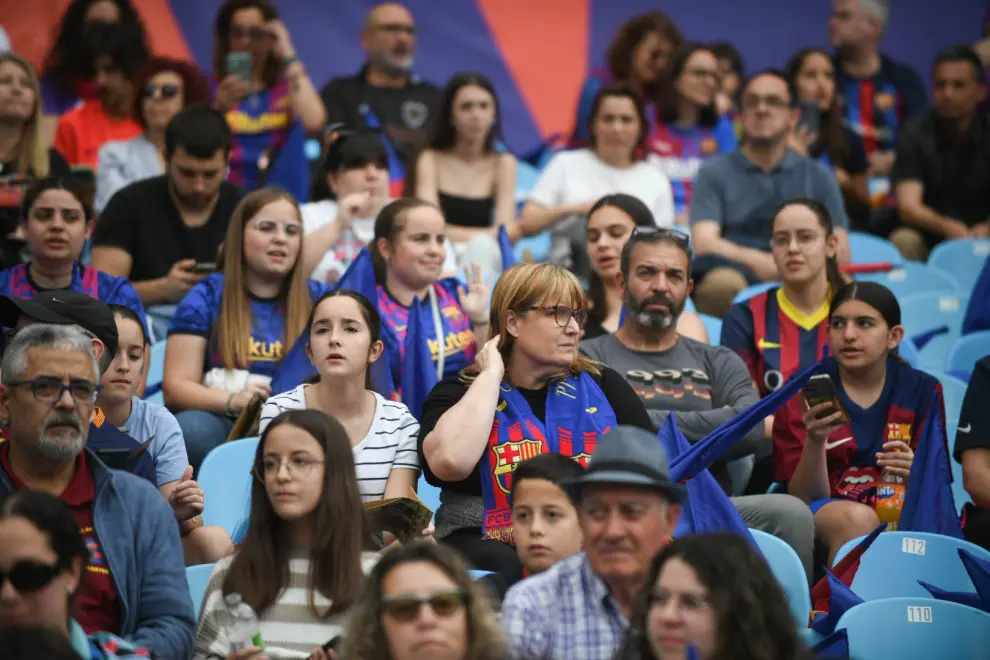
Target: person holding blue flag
x=712, y=594
x=842, y=462
x=528, y=392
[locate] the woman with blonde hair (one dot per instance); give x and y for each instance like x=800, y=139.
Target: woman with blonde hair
x=229, y=333
x=24, y=153
x=529, y=376
x=389, y=621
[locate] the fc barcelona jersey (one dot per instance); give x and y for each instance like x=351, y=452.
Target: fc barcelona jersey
x=680, y=152
x=774, y=338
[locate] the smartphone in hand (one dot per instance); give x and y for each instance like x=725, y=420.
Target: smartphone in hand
x=205, y=268
x=240, y=64
x=820, y=389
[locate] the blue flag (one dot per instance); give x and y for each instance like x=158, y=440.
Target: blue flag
x=979, y=573
x=505, y=245
x=978, y=310
x=419, y=374
x=928, y=502
x=295, y=368
x=706, y=509
x=841, y=600
x=835, y=645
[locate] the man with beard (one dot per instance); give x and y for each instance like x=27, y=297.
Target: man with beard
x=385, y=94
x=164, y=233
x=113, y=51
x=134, y=585
x=702, y=386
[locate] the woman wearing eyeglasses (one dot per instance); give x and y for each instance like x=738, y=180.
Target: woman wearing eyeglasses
x=611, y=221
x=263, y=87
x=527, y=393
x=164, y=87
x=43, y=561
x=301, y=564
x=420, y=602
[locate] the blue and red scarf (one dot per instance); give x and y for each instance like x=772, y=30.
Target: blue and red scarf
x=577, y=414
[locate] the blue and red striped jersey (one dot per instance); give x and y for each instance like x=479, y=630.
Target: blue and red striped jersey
x=876, y=108
x=680, y=152
x=774, y=338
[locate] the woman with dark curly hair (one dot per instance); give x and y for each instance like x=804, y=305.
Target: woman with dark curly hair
x=713, y=592
x=389, y=622
x=638, y=56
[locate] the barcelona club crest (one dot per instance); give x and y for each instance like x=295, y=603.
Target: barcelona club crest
x=510, y=454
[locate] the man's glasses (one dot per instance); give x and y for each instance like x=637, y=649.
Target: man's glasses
x=397, y=28
x=166, y=91
x=753, y=101
x=29, y=576
x=50, y=390
x=299, y=468
x=406, y=608
x=563, y=314
x=252, y=33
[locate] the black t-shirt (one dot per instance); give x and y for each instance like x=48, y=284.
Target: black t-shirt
x=406, y=113
x=499, y=583
x=626, y=405
x=973, y=431
x=142, y=220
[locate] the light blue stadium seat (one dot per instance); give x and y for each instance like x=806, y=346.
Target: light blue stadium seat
x=959, y=493
x=892, y=566
x=953, y=391
x=962, y=258
x=429, y=495
x=921, y=312
x=713, y=326
x=225, y=477
x=477, y=575
x=786, y=566
x=870, y=249
x=916, y=629
x=751, y=291
x=914, y=277
x=156, y=368
x=198, y=577
x=966, y=351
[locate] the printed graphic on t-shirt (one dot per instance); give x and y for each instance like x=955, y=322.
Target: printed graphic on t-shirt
x=671, y=383
x=97, y=561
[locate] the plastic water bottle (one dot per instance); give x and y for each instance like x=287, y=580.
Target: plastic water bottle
x=890, y=500
x=240, y=623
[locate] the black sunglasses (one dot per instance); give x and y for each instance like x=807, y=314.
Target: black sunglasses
x=29, y=576
x=653, y=233
x=406, y=608
x=167, y=91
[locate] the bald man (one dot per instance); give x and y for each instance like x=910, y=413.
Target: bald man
x=385, y=92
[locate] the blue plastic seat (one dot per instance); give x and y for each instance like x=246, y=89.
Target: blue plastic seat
x=786, y=566
x=922, y=312
x=966, y=352
x=751, y=291
x=913, y=277
x=953, y=391
x=892, y=566
x=428, y=494
x=198, y=577
x=225, y=477
x=477, y=575
x=713, y=326
x=156, y=369
x=962, y=258
x=916, y=629
x=870, y=249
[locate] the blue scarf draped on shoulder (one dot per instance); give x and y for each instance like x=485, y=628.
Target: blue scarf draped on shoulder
x=577, y=415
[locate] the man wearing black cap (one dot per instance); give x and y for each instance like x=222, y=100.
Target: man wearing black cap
x=628, y=508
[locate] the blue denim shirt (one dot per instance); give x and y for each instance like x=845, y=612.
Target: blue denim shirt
x=140, y=539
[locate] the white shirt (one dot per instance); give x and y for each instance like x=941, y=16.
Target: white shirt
x=335, y=261
x=389, y=444
x=580, y=176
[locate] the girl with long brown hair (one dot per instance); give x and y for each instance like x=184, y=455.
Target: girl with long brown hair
x=301, y=564
x=229, y=333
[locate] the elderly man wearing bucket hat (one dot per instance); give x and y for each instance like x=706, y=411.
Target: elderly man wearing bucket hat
x=628, y=508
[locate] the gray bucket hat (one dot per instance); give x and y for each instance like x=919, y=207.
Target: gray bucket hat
x=627, y=456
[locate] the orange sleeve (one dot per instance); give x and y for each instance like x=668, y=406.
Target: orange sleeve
x=65, y=141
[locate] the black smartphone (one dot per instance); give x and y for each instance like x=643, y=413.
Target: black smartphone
x=820, y=389
x=811, y=117
x=205, y=268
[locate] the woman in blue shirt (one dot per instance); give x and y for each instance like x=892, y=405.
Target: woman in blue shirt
x=229, y=333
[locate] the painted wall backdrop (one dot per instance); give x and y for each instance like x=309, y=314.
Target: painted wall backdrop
x=536, y=52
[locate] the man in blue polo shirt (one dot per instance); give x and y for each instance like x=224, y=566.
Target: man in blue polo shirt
x=737, y=194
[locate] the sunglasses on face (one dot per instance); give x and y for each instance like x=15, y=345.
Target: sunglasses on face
x=29, y=576
x=167, y=91
x=406, y=608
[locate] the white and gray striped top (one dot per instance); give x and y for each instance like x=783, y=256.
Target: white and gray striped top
x=289, y=628
x=389, y=444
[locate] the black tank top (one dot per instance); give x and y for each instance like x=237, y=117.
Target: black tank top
x=473, y=212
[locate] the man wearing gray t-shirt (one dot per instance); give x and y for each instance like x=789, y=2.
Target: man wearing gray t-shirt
x=703, y=386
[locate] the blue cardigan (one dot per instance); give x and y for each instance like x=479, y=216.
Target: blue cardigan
x=140, y=539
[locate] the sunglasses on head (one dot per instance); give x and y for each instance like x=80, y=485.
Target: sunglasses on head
x=29, y=576
x=167, y=91
x=641, y=233
x=406, y=608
